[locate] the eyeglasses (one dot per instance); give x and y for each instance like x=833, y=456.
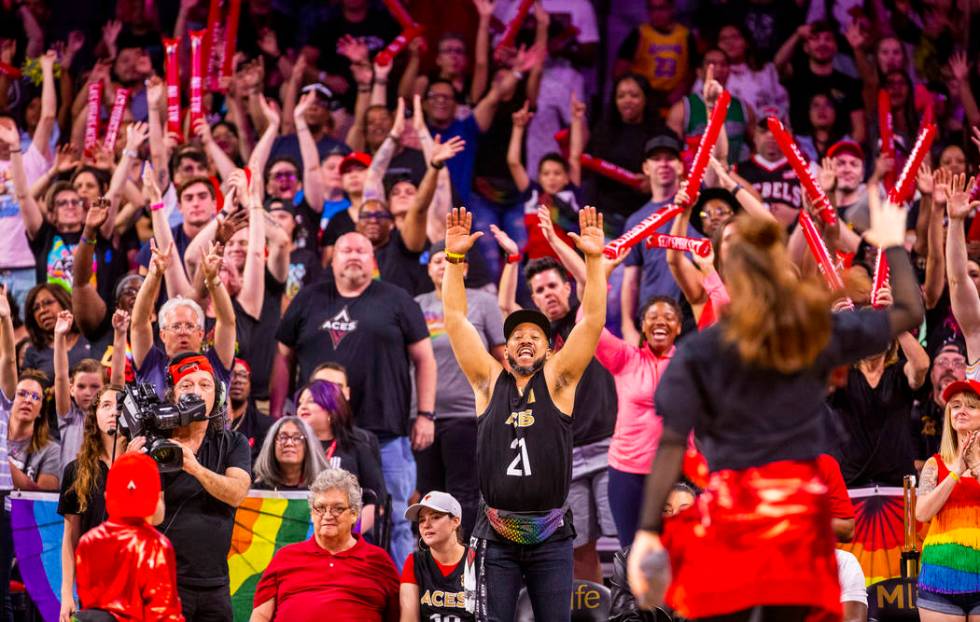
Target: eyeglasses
x=40, y=304
x=439, y=97
x=284, y=176
x=24, y=394
x=453, y=49
x=716, y=213
x=181, y=327
x=289, y=439
x=334, y=510
x=951, y=363
x=375, y=216
x=66, y=202
x=242, y=375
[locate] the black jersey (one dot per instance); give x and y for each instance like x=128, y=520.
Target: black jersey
x=524, y=448
x=440, y=597
x=775, y=181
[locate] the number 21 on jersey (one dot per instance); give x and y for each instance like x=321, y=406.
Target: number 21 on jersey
x=520, y=466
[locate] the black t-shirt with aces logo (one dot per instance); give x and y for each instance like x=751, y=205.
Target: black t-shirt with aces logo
x=369, y=335
x=775, y=181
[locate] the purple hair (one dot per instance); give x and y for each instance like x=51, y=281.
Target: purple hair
x=329, y=397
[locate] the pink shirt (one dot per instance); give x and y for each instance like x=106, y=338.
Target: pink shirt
x=637, y=371
x=14, y=250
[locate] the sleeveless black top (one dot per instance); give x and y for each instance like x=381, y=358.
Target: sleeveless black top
x=523, y=453
x=440, y=597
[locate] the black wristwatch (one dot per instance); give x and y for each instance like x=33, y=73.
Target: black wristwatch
x=437, y=165
x=428, y=414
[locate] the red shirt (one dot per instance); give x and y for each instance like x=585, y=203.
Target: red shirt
x=305, y=580
x=840, y=501
x=129, y=570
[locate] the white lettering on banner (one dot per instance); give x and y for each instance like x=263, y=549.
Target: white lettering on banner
x=339, y=326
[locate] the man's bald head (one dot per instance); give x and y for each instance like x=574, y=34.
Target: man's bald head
x=353, y=260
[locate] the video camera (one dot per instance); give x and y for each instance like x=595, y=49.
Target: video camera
x=145, y=414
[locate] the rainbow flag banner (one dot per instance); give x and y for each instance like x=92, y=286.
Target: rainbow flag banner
x=265, y=522
x=878, y=532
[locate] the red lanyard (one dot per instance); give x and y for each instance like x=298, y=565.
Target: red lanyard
x=331, y=449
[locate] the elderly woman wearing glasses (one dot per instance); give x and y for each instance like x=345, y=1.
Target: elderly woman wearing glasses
x=333, y=571
x=290, y=458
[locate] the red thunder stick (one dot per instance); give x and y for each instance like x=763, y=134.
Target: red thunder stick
x=887, y=132
x=813, y=191
x=396, y=46
x=642, y=229
x=115, y=119
x=10, y=71
x=173, y=85
x=819, y=250
x=231, y=39
x=680, y=243
x=905, y=185
x=212, y=31
x=92, y=119
x=514, y=26
x=197, y=81
x=700, y=163
x=612, y=171
x=402, y=16
x=880, y=277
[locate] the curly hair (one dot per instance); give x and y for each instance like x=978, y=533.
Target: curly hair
x=41, y=338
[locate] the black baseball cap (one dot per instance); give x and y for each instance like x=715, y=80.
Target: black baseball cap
x=527, y=316
x=664, y=139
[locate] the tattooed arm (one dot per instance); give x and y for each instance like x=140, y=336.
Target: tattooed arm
x=932, y=494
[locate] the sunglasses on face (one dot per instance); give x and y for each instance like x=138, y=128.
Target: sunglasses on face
x=375, y=216
x=33, y=396
x=67, y=202
x=284, y=176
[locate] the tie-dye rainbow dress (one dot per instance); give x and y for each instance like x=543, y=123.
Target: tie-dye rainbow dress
x=950, y=562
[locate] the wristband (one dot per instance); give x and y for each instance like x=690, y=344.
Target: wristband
x=955, y=476
x=736, y=189
x=130, y=153
x=455, y=257
x=437, y=165
x=515, y=258
x=17, y=150
x=156, y=207
x=363, y=89
x=393, y=137
x=428, y=414
x=213, y=283
x=85, y=240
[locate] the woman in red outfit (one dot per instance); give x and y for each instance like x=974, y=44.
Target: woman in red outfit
x=334, y=573
x=758, y=544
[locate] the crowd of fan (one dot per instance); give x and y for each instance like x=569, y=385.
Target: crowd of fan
x=294, y=235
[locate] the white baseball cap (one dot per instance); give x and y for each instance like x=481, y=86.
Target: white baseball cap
x=439, y=501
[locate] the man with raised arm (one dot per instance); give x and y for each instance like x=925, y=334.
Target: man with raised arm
x=524, y=434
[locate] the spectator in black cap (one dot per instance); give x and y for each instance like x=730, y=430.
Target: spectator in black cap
x=646, y=274
x=304, y=263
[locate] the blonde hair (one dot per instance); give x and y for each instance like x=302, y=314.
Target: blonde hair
x=776, y=320
x=949, y=446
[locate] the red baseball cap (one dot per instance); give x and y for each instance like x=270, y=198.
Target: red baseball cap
x=133, y=487
x=961, y=386
x=848, y=146
x=355, y=157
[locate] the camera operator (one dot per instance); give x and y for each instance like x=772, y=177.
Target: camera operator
x=201, y=498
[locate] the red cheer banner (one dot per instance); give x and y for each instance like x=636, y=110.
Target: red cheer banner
x=397, y=45
x=700, y=247
x=509, y=35
x=905, y=185
x=821, y=204
x=92, y=118
x=401, y=15
x=644, y=228
x=170, y=47
x=115, y=119
x=197, y=80
x=887, y=131
x=231, y=43
x=821, y=255
x=880, y=277
x=707, y=144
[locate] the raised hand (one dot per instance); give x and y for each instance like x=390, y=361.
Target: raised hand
x=958, y=194
x=237, y=187
x=5, y=312
x=270, y=113
x=156, y=91
x=590, y=238
x=304, y=103
x=211, y=261
x=705, y=263
x=65, y=158
x=110, y=32
x=459, y=222
x=398, y=124
x=48, y=59
x=484, y=8
x=887, y=223
x=202, y=130
x=827, y=175
x=712, y=88
x=352, y=48
x=120, y=321
x=523, y=116
x=962, y=464
x=506, y=244
x=576, y=107
x=96, y=216
x=381, y=72
x=682, y=197
x=136, y=135
x=959, y=66
x=268, y=43
x=924, y=180
x=443, y=151
x=63, y=324
x=418, y=116
x=884, y=296
x=160, y=259
x=9, y=133
x=545, y=224
x=529, y=58
x=151, y=191
x=228, y=227
x=855, y=35
x=941, y=180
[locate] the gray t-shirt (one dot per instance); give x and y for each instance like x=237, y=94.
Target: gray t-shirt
x=71, y=427
x=454, y=396
x=34, y=464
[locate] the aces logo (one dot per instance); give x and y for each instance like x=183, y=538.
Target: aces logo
x=339, y=326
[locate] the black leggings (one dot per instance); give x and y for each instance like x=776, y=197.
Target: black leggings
x=764, y=613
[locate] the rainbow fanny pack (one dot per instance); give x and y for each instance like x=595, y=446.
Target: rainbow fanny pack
x=526, y=527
